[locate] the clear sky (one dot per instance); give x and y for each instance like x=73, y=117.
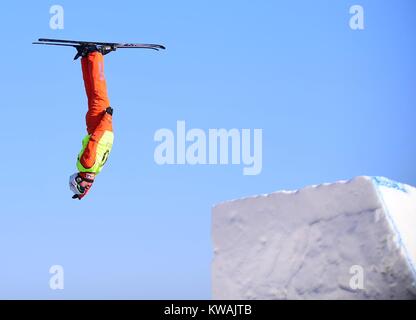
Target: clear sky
x=333, y=103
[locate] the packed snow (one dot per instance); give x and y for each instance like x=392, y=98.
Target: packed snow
x=351, y=239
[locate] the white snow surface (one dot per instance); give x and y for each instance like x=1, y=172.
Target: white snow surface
x=307, y=244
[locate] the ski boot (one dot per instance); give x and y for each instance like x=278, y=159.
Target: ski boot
x=85, y=50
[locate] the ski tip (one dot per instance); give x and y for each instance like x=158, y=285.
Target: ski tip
x=157, y=46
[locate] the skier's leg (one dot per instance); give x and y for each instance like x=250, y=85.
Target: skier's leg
x=86, y=77
x=97, y=98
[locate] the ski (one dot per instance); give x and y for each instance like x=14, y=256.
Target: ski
x=55, y=44
x=75, y=43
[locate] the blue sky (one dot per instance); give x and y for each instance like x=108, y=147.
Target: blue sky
x=333, y=103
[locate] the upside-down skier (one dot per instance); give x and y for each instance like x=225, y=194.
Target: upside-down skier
x=97, y=144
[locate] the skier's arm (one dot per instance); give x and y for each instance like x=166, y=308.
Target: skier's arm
x=88, y=157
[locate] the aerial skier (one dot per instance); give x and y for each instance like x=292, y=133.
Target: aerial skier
x=97, y=144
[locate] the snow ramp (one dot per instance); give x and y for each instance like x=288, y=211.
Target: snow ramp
x=351, y=239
